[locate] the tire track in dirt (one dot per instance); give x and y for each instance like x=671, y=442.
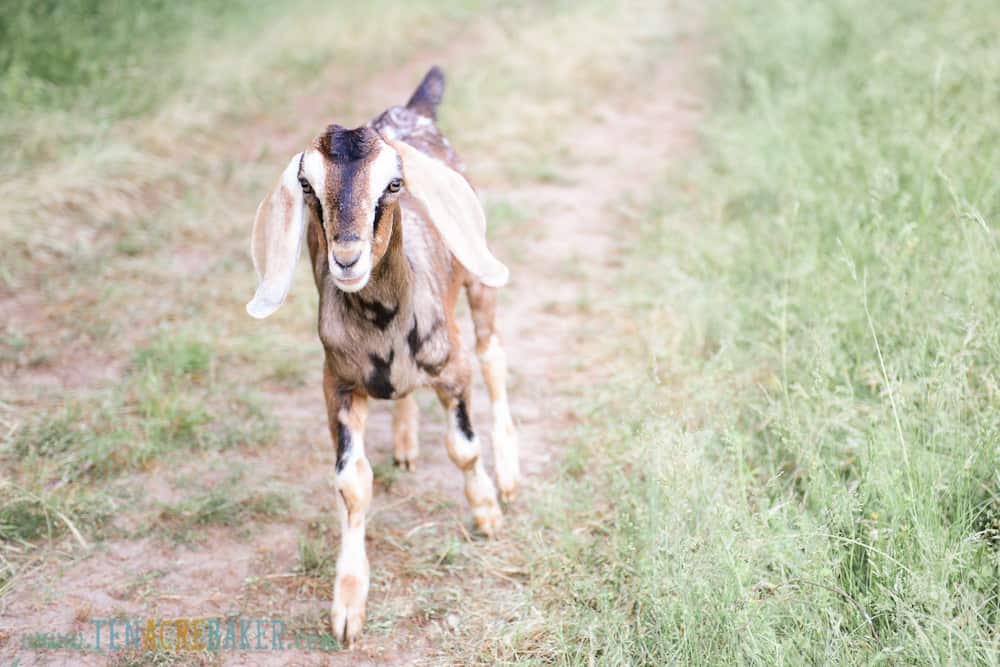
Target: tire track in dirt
x=426, y=569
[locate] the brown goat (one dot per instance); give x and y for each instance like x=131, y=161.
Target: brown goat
x=394, y=232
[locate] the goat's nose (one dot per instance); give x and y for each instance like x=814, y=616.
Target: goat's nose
x=346, y=264
x=346, y=259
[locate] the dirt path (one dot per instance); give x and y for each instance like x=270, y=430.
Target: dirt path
x=434, y=587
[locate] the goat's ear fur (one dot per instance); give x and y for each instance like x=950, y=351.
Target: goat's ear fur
x=276, y=241
x=454, y=210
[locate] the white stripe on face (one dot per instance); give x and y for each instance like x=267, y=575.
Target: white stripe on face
x=314, y=171
x=383, y=169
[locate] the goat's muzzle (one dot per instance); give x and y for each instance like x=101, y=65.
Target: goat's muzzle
x=350, y=265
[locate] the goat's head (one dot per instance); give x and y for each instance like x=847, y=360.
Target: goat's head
x=350, y=180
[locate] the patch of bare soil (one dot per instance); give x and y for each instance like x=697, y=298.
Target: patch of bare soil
x=429, y=575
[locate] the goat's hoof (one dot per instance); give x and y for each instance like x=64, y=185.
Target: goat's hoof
x=404, y=463
x=347, y=624
x=509, y=491
x=347, y=615
x=488, y=519
x=405, y=449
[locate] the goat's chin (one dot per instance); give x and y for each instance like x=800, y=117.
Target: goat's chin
x=353, y=284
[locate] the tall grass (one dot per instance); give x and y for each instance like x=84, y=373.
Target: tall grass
x=801, y=460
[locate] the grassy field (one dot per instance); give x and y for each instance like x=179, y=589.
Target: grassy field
x=799, y=463
x=793, y=452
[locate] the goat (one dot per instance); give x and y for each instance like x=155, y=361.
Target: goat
x=394, y=231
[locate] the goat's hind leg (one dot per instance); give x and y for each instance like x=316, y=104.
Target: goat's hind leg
x=493, y=363
x=347, y=412
x=405, y=425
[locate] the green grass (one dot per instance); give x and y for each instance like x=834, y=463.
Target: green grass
x=175, y=356
x=73, y=73
x=65, y=53
x=27, y=515
x=227, y=503
x=806, y=467
x=169, y=402
x=315, y=558
x=64, y=464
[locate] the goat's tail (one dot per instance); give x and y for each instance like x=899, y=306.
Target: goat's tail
x=427, y=96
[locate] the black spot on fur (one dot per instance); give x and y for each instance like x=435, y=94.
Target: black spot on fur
x=416, y=342
x=462, y=417
x=376, y=312
x=343, y=445
x=413, y=339
x=379, y=383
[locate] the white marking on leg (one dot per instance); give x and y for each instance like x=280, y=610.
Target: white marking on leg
x=506, y=455
x=354, y=492
x=479, y=490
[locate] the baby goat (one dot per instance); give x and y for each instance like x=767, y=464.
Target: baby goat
x=394, y=231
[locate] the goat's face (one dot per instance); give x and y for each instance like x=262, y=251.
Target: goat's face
x=351, y=180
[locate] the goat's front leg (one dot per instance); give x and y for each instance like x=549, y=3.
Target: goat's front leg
x=465, y=452
x=347, y=411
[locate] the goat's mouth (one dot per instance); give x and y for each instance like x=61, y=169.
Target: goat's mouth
x=353, y=276
x=352, y=284
x=352, y=281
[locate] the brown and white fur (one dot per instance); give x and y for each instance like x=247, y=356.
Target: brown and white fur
x=394, y=232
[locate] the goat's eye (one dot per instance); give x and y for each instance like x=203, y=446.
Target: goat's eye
x=394, y=185
x=306, y=188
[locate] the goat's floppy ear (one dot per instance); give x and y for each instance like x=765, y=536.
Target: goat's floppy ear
x=454, y=210
x=276, y=241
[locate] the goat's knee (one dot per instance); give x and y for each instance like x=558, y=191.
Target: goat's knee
x=493, y=362
x=354, y=485
x=405, y=426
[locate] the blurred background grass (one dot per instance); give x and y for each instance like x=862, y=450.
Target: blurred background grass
x=85, y=54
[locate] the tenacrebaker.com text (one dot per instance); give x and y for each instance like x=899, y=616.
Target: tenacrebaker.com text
x=181, y=634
